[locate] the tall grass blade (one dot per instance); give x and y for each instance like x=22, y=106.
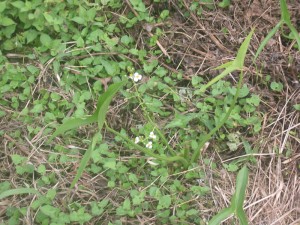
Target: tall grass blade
x=295, y=34
x=222, y=215
x=85, y=159
x=227, y=71
x=104, y=100
x=285, y=15
x=236, y=64
x=241, y=215
x=72, y=124
x=240, y=57
x=267, y=38
x=241, y=185
x=18, y=191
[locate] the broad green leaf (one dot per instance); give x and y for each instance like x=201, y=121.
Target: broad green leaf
x=45, y=40
x=50, y=211
x=267, y=38
x=222, y=215
x=18, y=191
x=5, y=21
x=2, y=6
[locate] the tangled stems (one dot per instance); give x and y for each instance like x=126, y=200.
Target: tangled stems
x=167, y=159
x=213, y=131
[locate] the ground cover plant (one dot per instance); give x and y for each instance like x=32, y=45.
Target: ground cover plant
x=149, y=112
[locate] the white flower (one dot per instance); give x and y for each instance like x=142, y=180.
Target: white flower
x=149, y=160
x=137, y=140
x=152, y=135
x=136, y=77
x=149, y=144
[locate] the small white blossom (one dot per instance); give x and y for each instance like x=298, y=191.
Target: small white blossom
x=137, y=140
x=153, y=163
x=149, y=144
x=136, y=77
x=152, y=135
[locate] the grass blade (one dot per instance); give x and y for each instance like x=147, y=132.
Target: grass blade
x=241, y=185
x=236, y=64
x=217, y=78
x=285, y=15
x=222, y=215
x=267, y=38
x=72, y=124
x=295, y=34
x=240, y=57
x=85, y=159
x=105, y=98
x=241, y=215
x=104, y=102
x=18, y=191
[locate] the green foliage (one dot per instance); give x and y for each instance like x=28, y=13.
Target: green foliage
x=58, y=57
x=237, y=201
x=285, y=19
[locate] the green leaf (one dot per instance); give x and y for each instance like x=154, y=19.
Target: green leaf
x=79, y=20
x=17, y=159
x=276, y=86
x=285, y=15
x=164, y=202
x=5, y=21
x=267, y=38
x=236, y=64
x=104, y=102
x=45, y=40
x=241, y=185
x=30, y=35
x=18, y=191
x=86, y=157
x=297, y=107
x=2, y=6
x=224, y=3
x=222, y=215
x=102, y=107
x=50, y=211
